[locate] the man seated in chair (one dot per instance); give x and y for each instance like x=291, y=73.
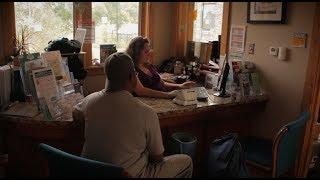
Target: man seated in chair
x=121, y=130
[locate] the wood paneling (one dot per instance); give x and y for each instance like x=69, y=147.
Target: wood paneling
x=225, y=28
x=145, y=28
x=311, y=97
x=146, y=15
x=182, y=27
x=206, y=126
x=7, y=30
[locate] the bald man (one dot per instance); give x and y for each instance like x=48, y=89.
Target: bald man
x=121, y=130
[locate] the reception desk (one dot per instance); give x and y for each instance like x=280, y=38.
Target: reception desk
x=206, y=120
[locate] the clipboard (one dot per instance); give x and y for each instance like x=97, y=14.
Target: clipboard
x=80, y=35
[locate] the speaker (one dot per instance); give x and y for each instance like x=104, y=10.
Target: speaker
x=215, y=53
x=190, y=49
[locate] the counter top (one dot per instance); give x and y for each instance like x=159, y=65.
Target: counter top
x=165, y=108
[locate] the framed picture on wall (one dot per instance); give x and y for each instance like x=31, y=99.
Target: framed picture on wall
x=266, y=12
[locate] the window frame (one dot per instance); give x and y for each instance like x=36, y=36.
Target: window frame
x=87, y=46
x=225, y=28
x=202, y=18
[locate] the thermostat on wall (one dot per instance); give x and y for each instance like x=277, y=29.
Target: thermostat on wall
x=273, y=51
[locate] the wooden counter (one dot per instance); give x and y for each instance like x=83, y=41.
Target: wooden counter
x=206, y=120
x=171, y=114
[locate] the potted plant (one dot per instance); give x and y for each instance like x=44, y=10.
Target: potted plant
x=21, y=43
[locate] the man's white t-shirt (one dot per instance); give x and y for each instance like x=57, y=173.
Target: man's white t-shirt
x=121, y=130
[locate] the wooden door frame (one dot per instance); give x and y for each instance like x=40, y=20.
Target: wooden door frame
x=225, y=29
x=311, y=98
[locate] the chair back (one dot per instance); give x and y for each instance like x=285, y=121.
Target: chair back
x=62, y=164
x=289, y=143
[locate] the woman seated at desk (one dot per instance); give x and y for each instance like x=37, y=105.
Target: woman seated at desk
x=149, y=81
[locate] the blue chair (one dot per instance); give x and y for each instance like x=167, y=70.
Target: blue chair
x=278, y=155
x=62, y=164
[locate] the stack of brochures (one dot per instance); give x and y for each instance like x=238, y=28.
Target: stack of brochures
x=5, y=86
x=246, y=78
x=47, y=79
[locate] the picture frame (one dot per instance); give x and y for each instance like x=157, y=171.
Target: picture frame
x=267, y=12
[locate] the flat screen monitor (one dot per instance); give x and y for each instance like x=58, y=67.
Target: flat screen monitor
x=223, y=77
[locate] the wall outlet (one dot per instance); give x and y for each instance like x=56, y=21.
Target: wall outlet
x=251, y=48
x=273, y=51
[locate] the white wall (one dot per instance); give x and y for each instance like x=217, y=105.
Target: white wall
x=161, y=31
x=284, y=80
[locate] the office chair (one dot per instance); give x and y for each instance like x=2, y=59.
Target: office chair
x=62, y=164
x=278, y=155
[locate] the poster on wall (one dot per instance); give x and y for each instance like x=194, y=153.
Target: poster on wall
x=266, y=12
x=237, y=39
x=299, y=40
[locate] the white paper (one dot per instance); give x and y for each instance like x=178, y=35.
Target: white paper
x=90, y=31
x=47, y=90
x=45, y=83
x=237, y=38
x=80, y=35
x=54, y=60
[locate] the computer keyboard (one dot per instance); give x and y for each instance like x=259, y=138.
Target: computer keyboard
x=202, y=93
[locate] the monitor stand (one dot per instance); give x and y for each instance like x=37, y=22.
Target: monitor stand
x=222, y=94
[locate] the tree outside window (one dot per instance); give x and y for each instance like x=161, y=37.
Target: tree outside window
x=207, y=26
x=116, y=23
x=44, y=21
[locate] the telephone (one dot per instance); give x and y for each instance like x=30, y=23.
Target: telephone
x=186, y=97
x=191, y=96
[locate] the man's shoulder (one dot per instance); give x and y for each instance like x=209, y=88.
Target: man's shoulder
x=95, y=94
x=144, y=107
x=88, y=99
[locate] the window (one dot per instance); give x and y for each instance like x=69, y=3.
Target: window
x=44, y=21
x=115, y=23
x=208, y=23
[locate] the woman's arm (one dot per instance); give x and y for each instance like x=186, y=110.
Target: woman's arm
x=173, y=86
x=140, y=90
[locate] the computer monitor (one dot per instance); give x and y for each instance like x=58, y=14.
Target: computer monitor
x=190, y=49
x=222, y=82
x=215, y=52
x=193, y=50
